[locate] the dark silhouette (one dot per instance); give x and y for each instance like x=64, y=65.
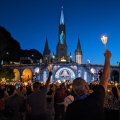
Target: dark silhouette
x=9, y=46
x=88, y=106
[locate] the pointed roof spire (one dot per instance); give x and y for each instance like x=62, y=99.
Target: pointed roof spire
x=78, y=45
x=62, y=16
x=46, y=49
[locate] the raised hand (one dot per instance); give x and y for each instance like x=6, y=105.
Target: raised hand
x=107, y=54
x=50, y=73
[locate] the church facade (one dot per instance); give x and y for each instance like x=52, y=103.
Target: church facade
x=62, y=66
x=62, y=48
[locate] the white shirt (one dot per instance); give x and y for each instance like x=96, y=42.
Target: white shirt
x=68, y=100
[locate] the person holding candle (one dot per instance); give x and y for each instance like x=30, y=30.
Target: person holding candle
x=89, y=106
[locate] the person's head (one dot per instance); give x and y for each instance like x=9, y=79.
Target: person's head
x=115, y=92
x=23, y=89
x=36, y=86
x=10, y=89
x=29, y=88
x=80, y=86
x=68, y=92
x=2, y=86
x=62, y=85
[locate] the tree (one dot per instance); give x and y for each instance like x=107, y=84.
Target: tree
x=33, y=54
x=9, y=47
x=7, y=73
x=2, y=43
x=13, y=47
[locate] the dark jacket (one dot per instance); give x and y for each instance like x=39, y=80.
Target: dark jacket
x=89, y=108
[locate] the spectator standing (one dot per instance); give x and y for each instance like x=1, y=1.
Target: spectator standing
x=2, y=91
x=13, y=102
x=29, y=90
x=59, y=102
x=68, y=100
x=50, y=104
x=22, y=108
x=89, y=106
x=36, y=101
x=112, y=108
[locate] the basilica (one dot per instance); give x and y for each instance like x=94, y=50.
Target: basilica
x=62, y=66
x=61, y=48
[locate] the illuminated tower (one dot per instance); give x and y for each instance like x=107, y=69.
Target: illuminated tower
x=61, y=49
x=46, y=53
x=78, y=53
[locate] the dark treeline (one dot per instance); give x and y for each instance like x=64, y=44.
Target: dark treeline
x=10, y=49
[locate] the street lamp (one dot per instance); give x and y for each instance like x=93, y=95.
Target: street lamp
x=40, y=67
x=70, y=57
x=88, y=64
x=20, y=70
x=7, y=55
x=53, y=57
x=119, y=70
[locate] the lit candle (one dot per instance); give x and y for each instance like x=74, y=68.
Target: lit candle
x=108, y=90
x=104, y=40
x=116, y=84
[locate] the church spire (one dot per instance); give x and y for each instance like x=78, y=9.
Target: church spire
x=46, y=49
x=46, y=53
x=78, y=45
x=78, y=53
x=62, y=16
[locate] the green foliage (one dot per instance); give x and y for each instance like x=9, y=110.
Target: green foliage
x=2, y=43
x=10, y=49
x=7, y=73
x=8, y=45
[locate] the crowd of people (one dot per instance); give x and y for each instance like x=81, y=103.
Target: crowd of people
x=76, y=101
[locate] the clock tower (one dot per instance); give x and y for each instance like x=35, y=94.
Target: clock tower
x=61, y=48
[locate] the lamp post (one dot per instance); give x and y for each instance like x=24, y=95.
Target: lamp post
x=7, y=53
x=119, y=70
x=89, y=75
x=70, y=57
x=32, y=58
x=40, y=66
x=88, y=64
x=53, y=58
x=50, y=69
x=20, y=71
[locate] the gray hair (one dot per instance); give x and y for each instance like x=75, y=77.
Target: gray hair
x=79, y=86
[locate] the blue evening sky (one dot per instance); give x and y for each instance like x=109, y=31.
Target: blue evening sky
x=30, y=21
